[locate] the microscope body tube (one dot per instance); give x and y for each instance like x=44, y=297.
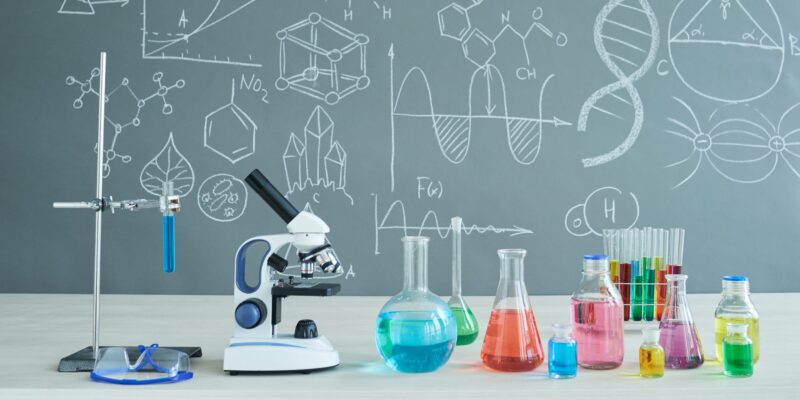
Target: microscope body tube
x=261, y=185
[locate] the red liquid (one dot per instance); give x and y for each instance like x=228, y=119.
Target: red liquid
x=662, y=293
x=674, y=269
x=624, y=288
x=512, y=341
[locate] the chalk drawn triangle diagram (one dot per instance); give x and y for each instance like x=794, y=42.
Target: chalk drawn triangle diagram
x=487, y=100
x=719, y=27
x=78, y=7
x=162, y=44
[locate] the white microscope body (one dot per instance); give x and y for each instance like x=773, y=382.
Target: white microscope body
x=256, y=346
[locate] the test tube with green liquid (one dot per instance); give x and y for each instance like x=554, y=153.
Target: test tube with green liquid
x=637, y=277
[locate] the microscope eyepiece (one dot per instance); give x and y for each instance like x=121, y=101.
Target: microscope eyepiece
x=264, y=188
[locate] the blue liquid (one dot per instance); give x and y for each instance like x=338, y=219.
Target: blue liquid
x=168, y=242
x=415, y=341
x=562, y=359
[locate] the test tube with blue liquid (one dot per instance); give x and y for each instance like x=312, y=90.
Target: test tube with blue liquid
x=168, y=228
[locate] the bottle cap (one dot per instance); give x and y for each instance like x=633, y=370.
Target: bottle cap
x=735, y=278
x=651, y=334
x=562, y=330
x=735, y=328
x=595, y=262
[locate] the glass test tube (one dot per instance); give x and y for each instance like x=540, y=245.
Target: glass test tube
x=611, y=249
x=676, y=237
x=649, y=272
x=625, y=271
x=661, y=273
x=637, y=276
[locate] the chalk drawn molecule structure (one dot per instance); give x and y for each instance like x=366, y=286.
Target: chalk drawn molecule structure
x=222, y=197
x=135, y=105
x=604, y=208
x=316, y=160
x=479, y=48
x=322, y=73
x=739, y=142
x=230, y=132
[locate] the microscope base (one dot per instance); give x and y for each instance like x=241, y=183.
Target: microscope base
x=280, y=354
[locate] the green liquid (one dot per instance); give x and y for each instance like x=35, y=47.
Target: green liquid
x=467, y=326
x=638, y=298
x=737, y=358
x=649, y=293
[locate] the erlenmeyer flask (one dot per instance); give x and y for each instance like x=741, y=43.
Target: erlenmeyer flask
x=415, y=330
x=682, y=348
x=467, y=323
x=512, y=339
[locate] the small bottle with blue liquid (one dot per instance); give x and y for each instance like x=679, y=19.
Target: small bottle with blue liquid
x=562, y=353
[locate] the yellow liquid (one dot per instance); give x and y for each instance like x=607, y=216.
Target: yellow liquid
x=651, y=362
x=614, y=268
x=720, y=330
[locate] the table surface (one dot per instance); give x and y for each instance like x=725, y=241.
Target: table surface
x=37, y=330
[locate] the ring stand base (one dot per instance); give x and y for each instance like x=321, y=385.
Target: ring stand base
x=83, y=359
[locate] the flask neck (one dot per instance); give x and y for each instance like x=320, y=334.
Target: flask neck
x=415, y=256
x=455, y=226
x=512, y=265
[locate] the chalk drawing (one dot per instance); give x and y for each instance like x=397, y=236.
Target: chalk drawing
x=742, y=144
x=322, y=73
x=86, y=7
x=222, y=197
x=316, y=160
x=229, y=131
x=132, y=116
x=731, y=52
x=396, y=219
x=453, y=131
x=169, y=165
x=179, y=29
x=479, y=48
x=604, y=208
x=628, y=49
x=374, y=8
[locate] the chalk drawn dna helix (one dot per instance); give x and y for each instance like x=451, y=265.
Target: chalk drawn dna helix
x=613, y=39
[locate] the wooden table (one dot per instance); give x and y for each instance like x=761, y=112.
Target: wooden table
x=37, y=330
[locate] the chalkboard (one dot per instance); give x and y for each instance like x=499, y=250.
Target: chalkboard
x=539, y=123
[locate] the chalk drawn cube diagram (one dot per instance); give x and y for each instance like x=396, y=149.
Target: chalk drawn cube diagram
x=230, y=132
x=453, y=21
x=322, y=59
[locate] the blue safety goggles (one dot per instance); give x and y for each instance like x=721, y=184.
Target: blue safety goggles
x=154, y=365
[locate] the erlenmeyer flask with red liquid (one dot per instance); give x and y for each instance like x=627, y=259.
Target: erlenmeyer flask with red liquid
x=512, y=342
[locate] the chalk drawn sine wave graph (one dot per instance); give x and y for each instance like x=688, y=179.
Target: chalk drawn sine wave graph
x=626, y=36
x=453, y=131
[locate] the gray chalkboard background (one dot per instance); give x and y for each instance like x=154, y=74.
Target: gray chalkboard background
x=503, y=83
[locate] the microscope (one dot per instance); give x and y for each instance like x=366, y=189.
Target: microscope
x=256, y=346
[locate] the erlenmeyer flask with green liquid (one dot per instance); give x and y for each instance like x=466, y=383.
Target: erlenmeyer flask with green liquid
x=467, y=324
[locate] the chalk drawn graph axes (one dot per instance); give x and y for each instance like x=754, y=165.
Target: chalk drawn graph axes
x=453, y=131
x=165, y=44
x=430, y=223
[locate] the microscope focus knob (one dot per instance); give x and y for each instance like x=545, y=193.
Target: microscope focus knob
x=305, y=329
x=251, y=313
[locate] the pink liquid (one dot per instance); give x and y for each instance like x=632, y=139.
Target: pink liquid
x=682, y=348
x=597, y=327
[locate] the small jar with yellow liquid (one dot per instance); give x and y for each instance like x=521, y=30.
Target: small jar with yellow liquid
x=735, y=307
x=651, y=354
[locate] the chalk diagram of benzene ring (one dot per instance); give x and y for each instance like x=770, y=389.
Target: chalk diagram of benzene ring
x=727, y=33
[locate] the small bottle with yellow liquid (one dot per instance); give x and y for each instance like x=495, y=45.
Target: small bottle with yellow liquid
x=735, y=307
x=651, y=354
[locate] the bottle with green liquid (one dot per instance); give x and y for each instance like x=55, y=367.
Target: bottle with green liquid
x=737, y=351
x=465, y=320
x=735, y=307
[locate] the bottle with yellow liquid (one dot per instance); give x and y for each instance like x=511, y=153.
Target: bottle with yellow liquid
x=651, y=354
x=735, y=307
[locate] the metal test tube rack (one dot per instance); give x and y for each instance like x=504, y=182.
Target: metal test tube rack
x=168, y=203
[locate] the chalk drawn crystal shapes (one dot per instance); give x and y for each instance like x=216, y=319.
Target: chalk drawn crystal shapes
x=729, y=51
x=316, y=160
x=322, y=59
x=453, y=21
x=230, y=132
x=169, y=165
x=222, y=197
